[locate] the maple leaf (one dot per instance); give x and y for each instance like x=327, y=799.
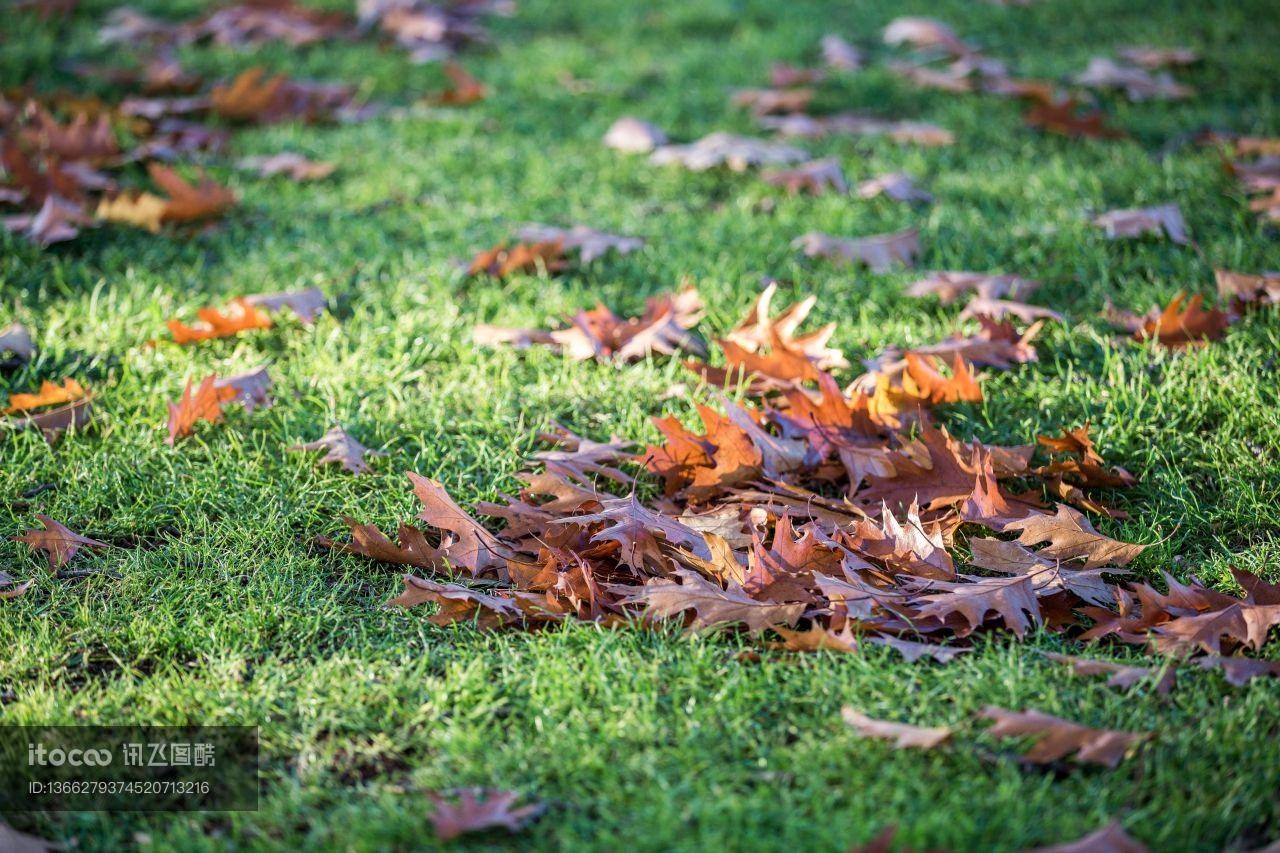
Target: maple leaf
x=463, y=89
x=50, y=394
x=239, y=316
x=202, y=404
x=814, y=177
x=1177, y=326
x=950, y=286
x=58, y=542
x=478, y=810
x=839, y=54
x=1121, y=676
x=589, y=243
x=1135, y=222
x=1070, y=536
x=904, y=736
x=913, y=651
x=879, y=253
x=1064, y=119
x=634, y=136
x=738, y=153
x=295, y=166
x=341, y=449
x=897, y=186
x=1238, y=671
x=712, y=605
x=1058, y=738
x=1110, y=839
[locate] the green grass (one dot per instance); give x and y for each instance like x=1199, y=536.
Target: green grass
x=222, y=611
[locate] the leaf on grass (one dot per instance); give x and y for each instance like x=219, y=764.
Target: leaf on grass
x=295, y=166
x=185, y=203
x=57, y=421
x=1159, y=57
x=463, y=88
x=712, y=605
x=341, y=449
x=478, y=810
x=1138, y=84
x=1242, y=291
x=1057, y=738
x=912, y=651
x=1012, y=599
x=634, y=136
x=814, y=177
x=307, y=305
x=10, y=588
x=1071, y=536
x=880, y=253
x=815, y=639
x=857, y=124
x=1135, y=222
x=839, y=54
x=240, y=316
x=458, y=603
x=1177, y=326
x=473, y=547
x=950, y=286
x=997, y=309
x=502, y=261
x=202, y=404
x=1121, y=676
x=587, y=242
x=58, y=542
x=904, y=736
x=16, y=341
x=50, y=394
x=763, y=102
x=925, y=33
x=1065, y=119
x=1110, y=839
x=1239, y=671
x=738, y=153
x=898, y=186
x=252, y=388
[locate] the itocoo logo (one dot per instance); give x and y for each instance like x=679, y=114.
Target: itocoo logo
x=37, y=754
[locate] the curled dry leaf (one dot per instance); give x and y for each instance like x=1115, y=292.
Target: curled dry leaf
x=204, y=403
x=634, y=136
x=341, y=449
x=912, y=651
x=57, y=221
x=815, y=639
x=295, y=166
x=252, y=388
x=478, y=810
x=1110, y=839
x=1136, y=222
x=880, y=253
x=1239, y=671
x=58, y=542
x=898, y=186
x=903, y=735
x=814, y=177
x=1120, y=676
x=458, y=604
x=712, y=604
x=10, y=588
x=1058, y=738
x=737, y=153
x=980, y=306
x=1242, y=291
x=1071, y=536
x=54, y=422
x=589, y=243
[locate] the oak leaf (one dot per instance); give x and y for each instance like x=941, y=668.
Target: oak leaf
x=1012, y=599
x=202, y=404
x=50, y=394
x=1110, y=839
x=913, y=651
x=1138, y=84
x=879, y=253
x=475, y=811
x=764, y=102
x=1065, y=119
x=341, y=449
x=502, y=261
x=738, y=153
x=712, y=604
x=1058, y=738
x=814, y=177
x=472, y=547
x=1177, y=326
x=463, y=89
x=815, y=639
x=1238, y=671
x=587, y=242
x=295, y=166
x=904, y=736
x=58, y=542
x=924, y=33
x=1135, y=222
x=896, y=186
x=1071, y=536
x=458, y=603
x=1120, y=676
x=239, y=316
x=949, y=286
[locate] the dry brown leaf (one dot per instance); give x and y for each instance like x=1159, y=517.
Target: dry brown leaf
x=239, y=316
x=58, y=542
x=463, y=88
x=589, y=243
x=1120, y=676
x=950, y=286
x=738, y=153
x=904, y=736
x=1110, y=839
x=341, y=449
x=10, y=588
x=295, y=166
x=1159, y=57
x=1138, y=84
x=856, y=124
x=252, y=388
x=202, y=404
x=763, y=102
x=50, y=394
x=879, y=253
x=1177, y=326
x=16, y=341
x=1065, y=119
x=814, y=177
x=839, y=54
x=307, y=305
x=712, y=605
x=1239, y=671
x=925, y=33
x=478, y=810
x=815, y=639
x=1071, y=536
x=634, y=136
x=1163, y=219
x=1058, y=738
x=898, y=186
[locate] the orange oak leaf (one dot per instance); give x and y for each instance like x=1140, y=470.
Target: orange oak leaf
x=49, y=394
x=501, y=261
x=1177, y=326
x=239, y=316
x=58, y=542
x=202, y=404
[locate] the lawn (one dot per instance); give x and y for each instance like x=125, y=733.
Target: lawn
x=219, y=608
